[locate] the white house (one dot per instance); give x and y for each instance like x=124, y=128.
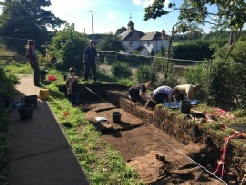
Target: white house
x=143, y=42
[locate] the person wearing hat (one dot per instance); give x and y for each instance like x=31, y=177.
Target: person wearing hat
x=89, y=60
x=32, y=57
x=72, y=87
x=187, y=91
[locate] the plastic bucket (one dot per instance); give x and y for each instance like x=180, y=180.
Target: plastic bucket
x=31, y=99
x=42, y=75
x=185, y=107
x=116, y=117
x=26, y=111
x=17, y=104
x=6, y=100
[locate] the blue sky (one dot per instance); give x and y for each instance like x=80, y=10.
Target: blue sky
x=110, y=15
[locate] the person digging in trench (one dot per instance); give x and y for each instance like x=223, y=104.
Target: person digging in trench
x=187, y=91
x=137, y=93
x=162, y=94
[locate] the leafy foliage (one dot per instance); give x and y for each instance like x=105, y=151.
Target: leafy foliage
x=121, y=69
x=28, y=20
x=230, y=14
x=144, y=74
x=109, y=42
x=120, y=30
x=198, y=75
x=197, y=50
x=228, y=78
x=68, y=46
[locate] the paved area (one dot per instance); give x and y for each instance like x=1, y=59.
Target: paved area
x=39, y=150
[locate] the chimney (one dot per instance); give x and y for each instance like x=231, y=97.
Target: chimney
x=163, y=34
x=130, y=26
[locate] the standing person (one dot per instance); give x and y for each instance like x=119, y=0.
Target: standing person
x=137, y=93
x=164, y=93
x=32, y=57
x=73, y=87
x=89, y=60
x=187, y=91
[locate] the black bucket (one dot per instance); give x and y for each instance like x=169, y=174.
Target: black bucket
x=31, y=99
x=116, y=117
x=42, y=75
x=64, y=77
x=185, y=107
x=6, y=100
x=26, y=111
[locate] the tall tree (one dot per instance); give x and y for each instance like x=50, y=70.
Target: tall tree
x=120, y=30
x=68, y=46
x=230, y=13
x=110, y=43
x=194, y=35
x=26, y=19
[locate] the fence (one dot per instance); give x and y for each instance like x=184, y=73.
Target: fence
x=176, y=71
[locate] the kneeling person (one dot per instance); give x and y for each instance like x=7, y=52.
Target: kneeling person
x=164, y=93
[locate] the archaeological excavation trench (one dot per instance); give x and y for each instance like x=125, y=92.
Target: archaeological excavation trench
x=162, y=146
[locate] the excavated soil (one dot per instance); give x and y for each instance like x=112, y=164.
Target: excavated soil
x=161, y=147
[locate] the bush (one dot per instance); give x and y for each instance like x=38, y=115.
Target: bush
x=171, y=81
x=144, y=74
x=68, y=46
x=121, y=69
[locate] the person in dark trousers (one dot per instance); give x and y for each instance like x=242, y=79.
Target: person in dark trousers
x=89, y=60
x=72, y=87
x=32, y=57
x=164, y=93
x=137, y=93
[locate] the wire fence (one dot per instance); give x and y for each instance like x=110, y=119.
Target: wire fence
x=177, y=70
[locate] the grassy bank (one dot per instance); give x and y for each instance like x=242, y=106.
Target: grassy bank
x=101, y=163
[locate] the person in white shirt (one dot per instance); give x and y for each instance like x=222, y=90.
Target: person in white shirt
x=164, y=93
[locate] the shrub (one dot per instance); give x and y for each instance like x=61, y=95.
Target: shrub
x=121, y=69
x=68, y=46
x=144, y=73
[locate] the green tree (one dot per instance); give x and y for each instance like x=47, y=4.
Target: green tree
x=231, y=14
x=109, y=42
x=68, y=46
x=120, y=30
x=194, y=35
x=26, y=20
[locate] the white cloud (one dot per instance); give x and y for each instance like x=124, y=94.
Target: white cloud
x=112, y=15
x=146, y=3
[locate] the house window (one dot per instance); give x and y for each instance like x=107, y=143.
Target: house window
x=130, y=43
x=148, y=44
